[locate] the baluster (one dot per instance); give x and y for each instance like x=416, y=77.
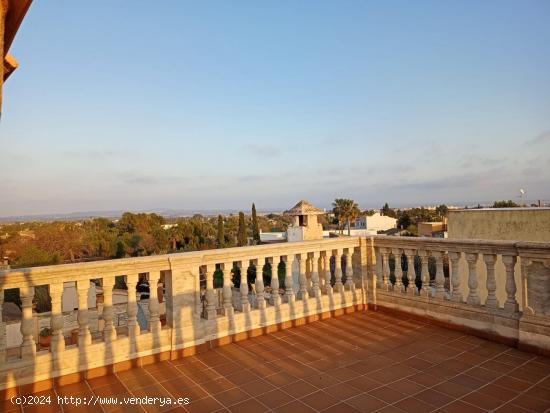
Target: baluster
x=109, y=331
x=210, y=292
x=454, y=258
x=260, y=287
x=397, y=252
x=473, y=298
x=379, y=267
x=338, y=286
x=2, y=328
x=411, y=274
x=275, y=296
x=28, y=346
x=289, y=290
x=58, y=339
x=302, y=276
x=491, y=284
x=132, y=306
x=245, y=304
x=315, y=274
x=511, y=303
x=154, y=325
x=84, y=335
x=326, y=269
x=439, y=275
x=349, y=270
x=227, y=290
x=386, y=268
x=424, y=258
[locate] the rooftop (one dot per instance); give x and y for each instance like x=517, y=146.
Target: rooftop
x=304, y=208
x=360, y=362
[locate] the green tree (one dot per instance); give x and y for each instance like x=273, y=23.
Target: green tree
x=241, y=233
x=221, y=232
x=442, y=210
x=255, y=226
x=387, y=211
x=345, y=211
x=505, y=204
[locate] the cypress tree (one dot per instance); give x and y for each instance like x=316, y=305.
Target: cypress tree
x=221, y=233
x=255, y=226
x=241, y=234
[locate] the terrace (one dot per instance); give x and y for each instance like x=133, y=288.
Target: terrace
x=458, y=325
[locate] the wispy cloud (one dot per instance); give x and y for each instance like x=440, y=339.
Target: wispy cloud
x=264, y=151
x=543, y=137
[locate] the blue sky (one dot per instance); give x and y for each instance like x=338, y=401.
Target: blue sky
x=215, y=104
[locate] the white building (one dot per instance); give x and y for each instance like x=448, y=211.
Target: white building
x=375, y=222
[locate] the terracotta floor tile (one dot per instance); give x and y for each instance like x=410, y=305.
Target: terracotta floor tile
x=366, y=403
x=531, y=403
x=205, y=405
x=299, y=389
x=294, y=407
x=257, y=387
x=454, y=390
x=363, y=383
x=434, y=398
x=217, y=385
x=387, y=394
x=275, y=398
x=459, y=406
x=230, y=397
x=467, y=381
x=103, y=381
x=319, y=400
x=321, y=380
x=341, y=408
x=249, y=406
x=177, y=389
x=342, y=391
x=483, y=400
x=414, y=405
x=281, y=379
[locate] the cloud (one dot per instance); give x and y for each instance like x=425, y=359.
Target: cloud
x=543, y=137
x=264, y=151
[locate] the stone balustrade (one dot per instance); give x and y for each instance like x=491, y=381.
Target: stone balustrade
x=203, y=299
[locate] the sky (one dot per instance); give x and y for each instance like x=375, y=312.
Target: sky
x=210, y=105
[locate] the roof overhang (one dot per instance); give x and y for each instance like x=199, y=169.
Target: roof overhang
x=16, y=12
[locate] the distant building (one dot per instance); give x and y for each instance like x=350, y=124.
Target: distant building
x=376, y=222
x=432, y=229
x=304, y=225
x=519, y=224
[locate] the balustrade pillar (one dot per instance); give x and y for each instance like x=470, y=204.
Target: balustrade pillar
x=424, y=258
x=58, y=339
x=2, y=325
x=245, y=304
x=491, y=283
x=511, y=303
x=326, y=273
x=316, y=290
x=260, y=287
x=210, y=292
x=411, y=274
x=132, y=306
x=397, y=252
x=84, y=335
x=349, y=270
x=439, y=275
x=227, y=289
x=275, y=296
x=454, y=258
x=302, y=276
x=338, y=286
x=28, y=346
x=473, y=298
x=289, y=287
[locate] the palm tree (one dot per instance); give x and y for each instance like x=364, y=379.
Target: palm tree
x=345, y=210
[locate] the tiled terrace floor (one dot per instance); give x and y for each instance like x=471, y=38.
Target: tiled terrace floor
x=353, y=363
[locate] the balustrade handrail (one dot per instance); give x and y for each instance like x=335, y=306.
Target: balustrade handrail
x=13, y=278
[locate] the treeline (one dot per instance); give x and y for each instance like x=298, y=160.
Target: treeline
x=133, y=235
